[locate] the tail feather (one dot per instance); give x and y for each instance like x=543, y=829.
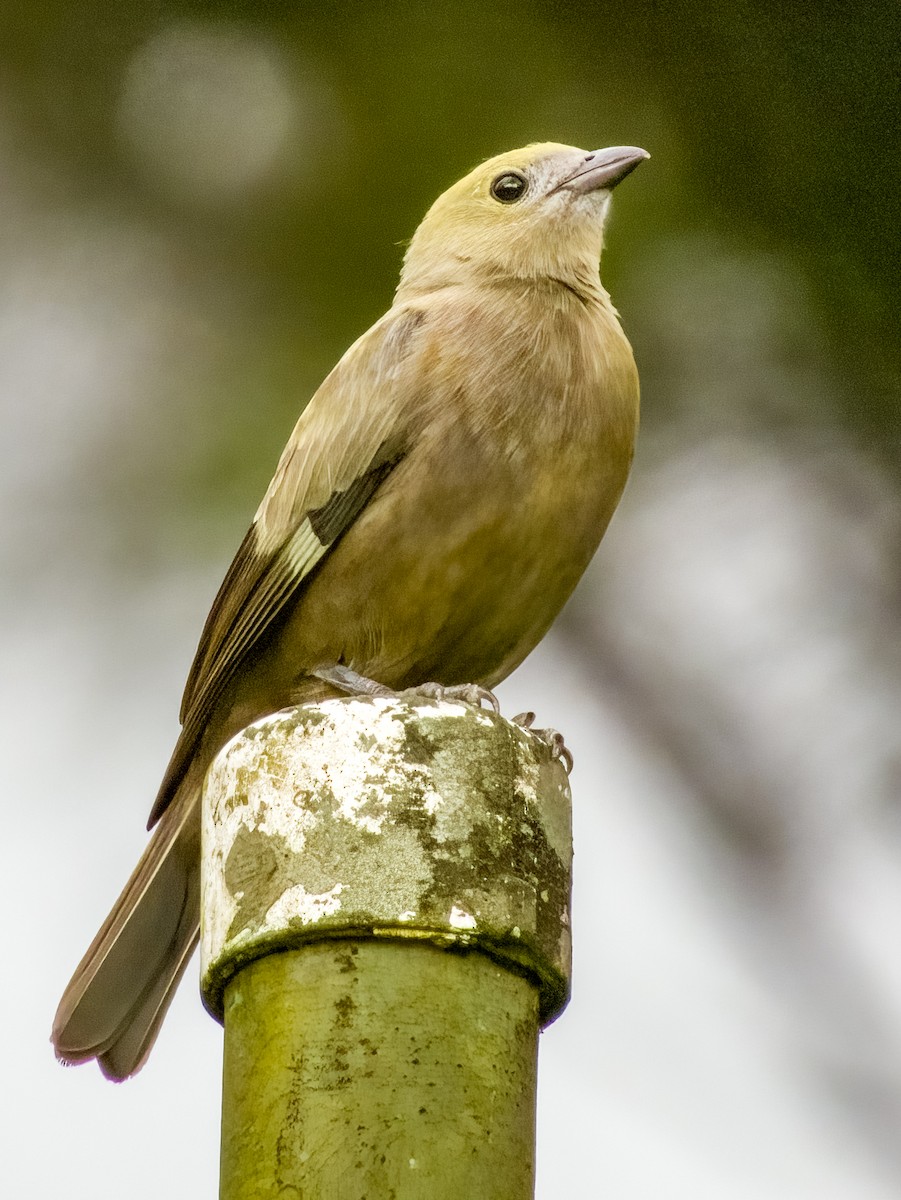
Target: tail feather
x=115, y=1003
x=129, y=1052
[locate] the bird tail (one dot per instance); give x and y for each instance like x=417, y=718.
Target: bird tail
x=116, y=1000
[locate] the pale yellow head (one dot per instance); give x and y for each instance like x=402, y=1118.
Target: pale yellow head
x=534, y=212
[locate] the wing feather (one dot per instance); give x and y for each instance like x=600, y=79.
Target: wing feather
x=352, y=434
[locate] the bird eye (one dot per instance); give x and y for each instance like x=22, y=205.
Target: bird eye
x=508, y=187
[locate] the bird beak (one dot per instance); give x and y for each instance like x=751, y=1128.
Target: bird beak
x=603, y=169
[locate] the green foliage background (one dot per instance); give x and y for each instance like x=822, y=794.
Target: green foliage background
x=773, y=128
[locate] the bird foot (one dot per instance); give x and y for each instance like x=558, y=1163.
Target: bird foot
x=345, y=679
x=354, y=684
x=551, y=737
x=468, y=693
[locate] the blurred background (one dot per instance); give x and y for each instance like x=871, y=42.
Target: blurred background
x=201, y=206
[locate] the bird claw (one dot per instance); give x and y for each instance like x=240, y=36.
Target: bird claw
x=551, y=738
x=559, y=750
x=468, y=693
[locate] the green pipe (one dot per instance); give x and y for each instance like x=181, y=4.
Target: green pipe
x=385, y=930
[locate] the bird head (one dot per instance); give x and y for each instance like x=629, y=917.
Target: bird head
x=532, y=213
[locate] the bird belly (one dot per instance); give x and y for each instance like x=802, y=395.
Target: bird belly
x=472, y=561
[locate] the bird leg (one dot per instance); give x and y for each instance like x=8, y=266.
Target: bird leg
x=551, y=737
x=352, y=682
x=345, y=679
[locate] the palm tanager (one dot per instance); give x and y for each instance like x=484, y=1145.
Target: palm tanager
x=440, y=497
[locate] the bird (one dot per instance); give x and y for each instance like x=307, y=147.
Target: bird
x=439, y=498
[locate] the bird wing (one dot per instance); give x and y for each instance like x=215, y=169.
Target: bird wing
x=355, y=430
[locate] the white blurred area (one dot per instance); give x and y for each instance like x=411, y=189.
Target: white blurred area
x=210, y=112
x=728, y=678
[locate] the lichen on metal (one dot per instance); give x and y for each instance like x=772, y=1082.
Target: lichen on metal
x=382, y=818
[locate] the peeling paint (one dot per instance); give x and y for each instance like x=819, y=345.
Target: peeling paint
x=460, y=919
x=297, y=904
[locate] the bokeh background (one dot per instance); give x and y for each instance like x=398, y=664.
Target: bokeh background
x=201, y=205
